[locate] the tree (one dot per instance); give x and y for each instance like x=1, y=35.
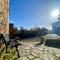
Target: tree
x=43, y=31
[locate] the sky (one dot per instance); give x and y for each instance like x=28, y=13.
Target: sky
x=33, y=13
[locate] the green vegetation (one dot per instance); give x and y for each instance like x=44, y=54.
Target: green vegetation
x=35, y=32
x=10, y=55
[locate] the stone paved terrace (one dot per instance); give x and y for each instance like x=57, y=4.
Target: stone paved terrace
x=28, y=51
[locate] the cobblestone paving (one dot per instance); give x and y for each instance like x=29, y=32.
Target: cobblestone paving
x=38, y=53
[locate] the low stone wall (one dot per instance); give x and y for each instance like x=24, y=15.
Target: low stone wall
x=53, y=43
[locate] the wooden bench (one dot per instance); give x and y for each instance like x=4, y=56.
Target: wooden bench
x=2, y=42
x=14, y=43
x=11, y=43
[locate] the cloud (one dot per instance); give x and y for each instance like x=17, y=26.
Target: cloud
x=11, y=21
x=48, y=27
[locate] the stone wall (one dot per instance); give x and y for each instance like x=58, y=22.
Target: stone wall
x=4, y=17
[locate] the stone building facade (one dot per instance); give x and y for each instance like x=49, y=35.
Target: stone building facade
x=56, y=26
x=4, y=17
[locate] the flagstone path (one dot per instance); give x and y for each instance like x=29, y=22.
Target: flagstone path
x=30, y=52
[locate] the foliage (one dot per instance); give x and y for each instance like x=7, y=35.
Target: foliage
x=24, y=33
x=35, y=32
x=10, y=55
x=43, y=31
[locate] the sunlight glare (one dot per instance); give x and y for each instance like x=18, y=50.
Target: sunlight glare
x=55, y=13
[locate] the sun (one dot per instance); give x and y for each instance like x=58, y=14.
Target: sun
x=55, y=13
